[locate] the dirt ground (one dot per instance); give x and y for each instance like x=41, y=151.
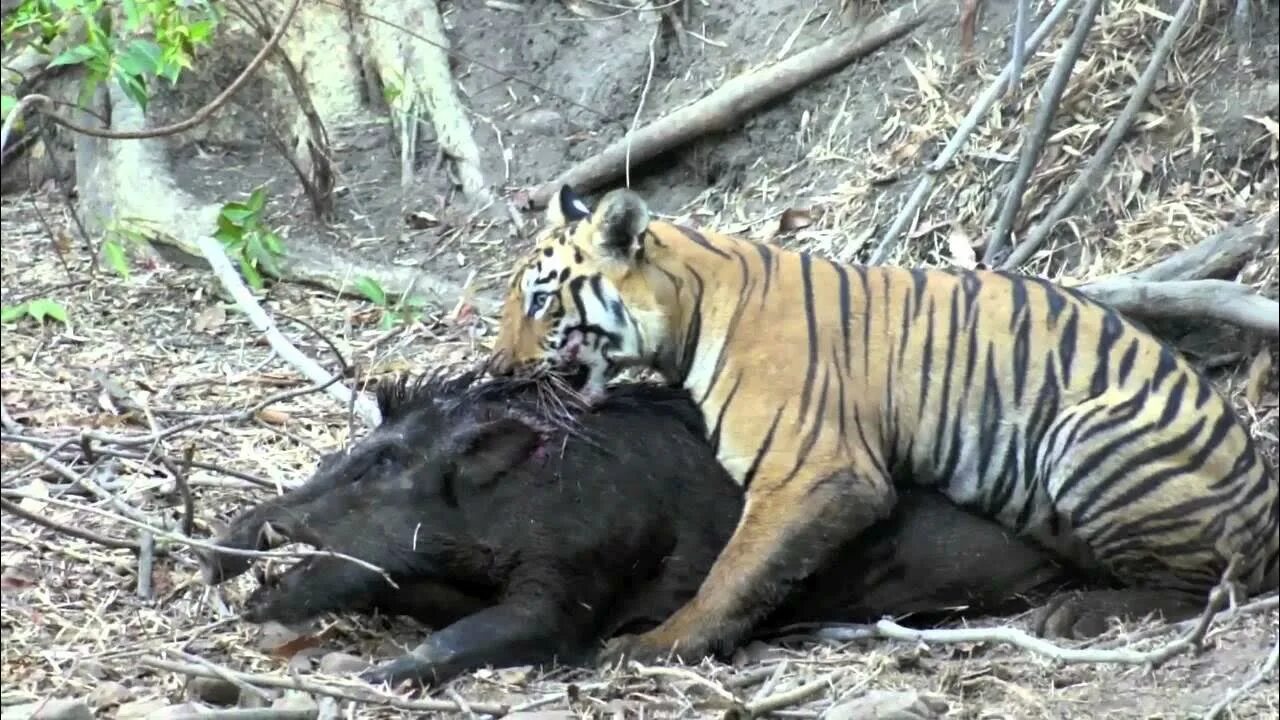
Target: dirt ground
x=166, y=345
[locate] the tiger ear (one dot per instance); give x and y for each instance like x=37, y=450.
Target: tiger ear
x=620, y=221
x=566, y=207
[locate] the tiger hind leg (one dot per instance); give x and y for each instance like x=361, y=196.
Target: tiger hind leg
x=1162, y=497
x=786, y=532
x=1084, y=614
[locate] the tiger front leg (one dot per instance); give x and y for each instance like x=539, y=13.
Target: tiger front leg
x=788, y=529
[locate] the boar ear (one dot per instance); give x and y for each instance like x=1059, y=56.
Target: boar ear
x=482, y=452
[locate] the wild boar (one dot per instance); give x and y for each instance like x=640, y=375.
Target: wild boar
x=528, y=530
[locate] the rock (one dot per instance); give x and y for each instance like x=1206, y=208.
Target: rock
x=540, y=122
x=182, y=711
x=108, y=693
x=297, y=705
x=92, y=669
x=888, y=705
x=340, y=663
x=541, y=715
x=140, y=709
x=54, y=709
x=214, y=691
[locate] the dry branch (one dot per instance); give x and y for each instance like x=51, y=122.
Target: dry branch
x=1219, y=255
x=1033, y=138
x=312, y=370
x=737, y=98
x=1089, y=177
x=1268, y=666
x=1224, y=300
x=994, y=91
x=362, y=693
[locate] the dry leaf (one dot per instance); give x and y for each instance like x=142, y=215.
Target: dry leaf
x=34, y=504
x=960, y=247
x=273, y=416
x=210, y=317
x=421, y=220
x=793, y=219
x=1259, y=371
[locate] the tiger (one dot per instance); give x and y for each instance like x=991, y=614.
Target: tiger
x=827, y=385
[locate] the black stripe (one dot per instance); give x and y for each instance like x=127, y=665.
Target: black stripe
x=944, y=409
x=766, y=259
x=815, y=430
x=700, y=240
x=764, y=449
x=1067, y=340
x=731, y=330
x=1173, y=402
x=724, y=407
x=919, y=279
x=866, y=318
x=846, y=308
x=1165, y=366
x=693, y=333
x=926, y=362
x=1111, y=330
x=811, y=321
x=1126, y=362
x=1021, y=324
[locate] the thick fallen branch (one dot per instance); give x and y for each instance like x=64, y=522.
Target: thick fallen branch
x=736, y=99
x=1224, y=300
x=1218, y=256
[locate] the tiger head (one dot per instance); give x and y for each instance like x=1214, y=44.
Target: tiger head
x=585, y=301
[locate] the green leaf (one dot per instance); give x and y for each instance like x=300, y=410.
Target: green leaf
x=135, y=87
x=73, y=56
x=236, y=213
x=387, y=321
x=140, y=57
x=11, y=313
x=42, y=307
x=273, y=243
x=253, y=243
x=114, y=253
x=251, y=274
x=371, y=290
x=257, y=199
x=7, y=104
x=200, y=31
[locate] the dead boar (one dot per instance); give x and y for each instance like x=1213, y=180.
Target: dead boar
x=528, y=531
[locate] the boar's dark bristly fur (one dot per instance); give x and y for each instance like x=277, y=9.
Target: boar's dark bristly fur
x=528, y=528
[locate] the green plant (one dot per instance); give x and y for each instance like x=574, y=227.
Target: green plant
x=407, y=310
x=37, y=309
x=116, y=239
x=132, y=42
x=247, y=239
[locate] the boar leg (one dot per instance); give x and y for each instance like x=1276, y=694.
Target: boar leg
x=500, y=636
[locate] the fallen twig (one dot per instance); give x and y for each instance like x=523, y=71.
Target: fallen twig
x=1034, y=138
x=1268, y=666
x=1088, y=178
x=54, y=525
x=193, y=542
x=786, y=698
x=1224, y=300
x=230, y=279
x=994, y=91
x=363, y=693
x=729, y=104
